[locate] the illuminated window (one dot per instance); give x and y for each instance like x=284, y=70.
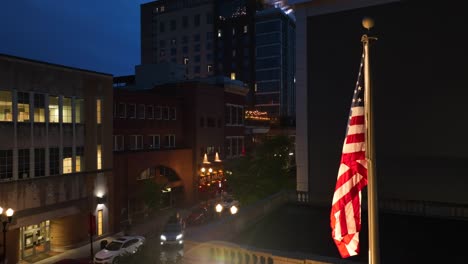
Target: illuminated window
x=67, y=110
x=53, y=109
x=23, y=107
x=233, y=75
x=67, y=160
x=79, y=159
x=245, y=29
x=186, y=60
x=210, y=68
x=98, y=111
x=220, y=33
x=6, y=106
x=39, y=108
x=233, y=31
x=99, y=222
x=79, y=111
x=99, y=157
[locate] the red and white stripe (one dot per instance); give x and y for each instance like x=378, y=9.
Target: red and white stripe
x=352, y=178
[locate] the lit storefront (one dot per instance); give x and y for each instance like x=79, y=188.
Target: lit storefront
x=211, y=178
x=34, y=239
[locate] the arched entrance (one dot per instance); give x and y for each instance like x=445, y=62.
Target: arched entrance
x=172, y=186
x=161, y=185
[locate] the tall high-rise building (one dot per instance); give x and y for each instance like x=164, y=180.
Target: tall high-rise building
x=235, y=41
x=219, y=37
x=275, y=32
x=179, y=31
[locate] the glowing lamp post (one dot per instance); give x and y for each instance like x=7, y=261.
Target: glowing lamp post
x=5, y=221
x=219, y=209
x=234, y=210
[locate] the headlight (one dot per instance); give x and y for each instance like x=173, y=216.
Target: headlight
x=163, y=237
x=179, y=236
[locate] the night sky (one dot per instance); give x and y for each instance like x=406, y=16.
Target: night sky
x=101, y=36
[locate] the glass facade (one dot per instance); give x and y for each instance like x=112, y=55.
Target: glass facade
x=275, y=63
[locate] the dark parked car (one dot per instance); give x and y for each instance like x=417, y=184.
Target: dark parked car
x=173, y=233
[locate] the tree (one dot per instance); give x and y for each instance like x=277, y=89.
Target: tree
x=263, y=172
x=152, y=195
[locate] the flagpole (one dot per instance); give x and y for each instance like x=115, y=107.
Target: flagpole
x=372, y=202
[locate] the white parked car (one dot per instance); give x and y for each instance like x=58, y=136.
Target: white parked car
x=122, y=246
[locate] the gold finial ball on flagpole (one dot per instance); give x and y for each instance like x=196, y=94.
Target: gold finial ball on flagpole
x=368, y=23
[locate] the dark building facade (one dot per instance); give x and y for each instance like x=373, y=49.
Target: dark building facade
x=418, y=100
x=211, y=38
x=149, y=147
x=235, y=41
x=179, y=31
x=55, y=155
x=214, y=125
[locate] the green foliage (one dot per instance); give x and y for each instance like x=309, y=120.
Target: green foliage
x=152, y=194
x=263, y=172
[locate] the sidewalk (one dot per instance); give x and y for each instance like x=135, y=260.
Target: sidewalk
x=148, y=227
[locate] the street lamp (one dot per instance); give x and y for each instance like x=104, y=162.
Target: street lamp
x=5, y=221
x=219, y=209
x=233, y=209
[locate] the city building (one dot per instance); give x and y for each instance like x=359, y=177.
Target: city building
x=275, y=64
x=418, y=102
x=234, y=41
x=176, y=134
x=181, y=32
x=55, y=155
x=149, y=147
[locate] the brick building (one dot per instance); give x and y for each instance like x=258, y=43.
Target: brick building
x=177, y=135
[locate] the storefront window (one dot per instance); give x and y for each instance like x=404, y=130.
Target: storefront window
x=35, y=239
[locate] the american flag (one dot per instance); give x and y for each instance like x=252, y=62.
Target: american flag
x=345, y=215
